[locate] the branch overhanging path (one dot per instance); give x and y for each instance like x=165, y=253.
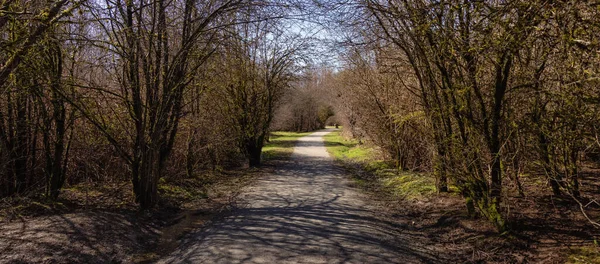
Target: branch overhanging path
x=304, y=212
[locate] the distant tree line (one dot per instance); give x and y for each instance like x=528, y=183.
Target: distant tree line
x=307, y=106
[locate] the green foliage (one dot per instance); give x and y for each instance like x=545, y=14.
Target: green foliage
x=402, y=119
x=325, y=112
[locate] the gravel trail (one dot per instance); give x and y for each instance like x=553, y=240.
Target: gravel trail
x=304, y=212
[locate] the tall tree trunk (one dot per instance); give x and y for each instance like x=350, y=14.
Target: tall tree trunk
x=502, y=74
x=57, y=174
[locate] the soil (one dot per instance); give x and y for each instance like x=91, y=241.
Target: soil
x=101, y=224
x=304, y=210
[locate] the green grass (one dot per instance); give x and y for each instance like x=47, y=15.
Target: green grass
x=588, y=254
x=409, y=185
x=281, y=145
x=347, y=149
x=380, y=173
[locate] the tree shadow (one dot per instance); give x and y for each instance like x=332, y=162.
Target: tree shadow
x=89, y=237
x=304, y=213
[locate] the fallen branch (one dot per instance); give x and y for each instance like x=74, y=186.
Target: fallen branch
x=582, y=209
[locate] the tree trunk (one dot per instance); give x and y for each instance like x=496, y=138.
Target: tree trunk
x=58, y=177
x=145, y=178
x=254, y=157
x=495, y=196
x=21, y=146
x=573, y=173
x=254, y=151
x=440, y=169
x=440, y=175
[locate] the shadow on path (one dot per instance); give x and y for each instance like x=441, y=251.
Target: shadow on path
x=305, y=212
x=75, y=238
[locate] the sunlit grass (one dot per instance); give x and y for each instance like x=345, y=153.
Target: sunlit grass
x=581, y=255
x=281, y=145
x=347, y=149
x=408, y=185
x=381, y=173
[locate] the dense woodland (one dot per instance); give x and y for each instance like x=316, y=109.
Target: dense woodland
x=479, y=93
x=93, y=90
x=475, y=93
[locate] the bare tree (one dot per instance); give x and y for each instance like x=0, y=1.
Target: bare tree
x=262, y=58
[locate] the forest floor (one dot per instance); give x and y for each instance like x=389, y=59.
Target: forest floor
x=300, y=210
x=100, y=223
x=543, y=228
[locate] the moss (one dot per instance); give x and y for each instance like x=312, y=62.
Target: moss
x=496, y=217
x=453, y=189
x=488, y=209
x=585, y=254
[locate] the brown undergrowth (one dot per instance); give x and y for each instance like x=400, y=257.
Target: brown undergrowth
x=543, y=228
x=93, y=223
x=101, y=223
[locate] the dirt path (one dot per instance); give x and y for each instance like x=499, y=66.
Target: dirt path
x=305, y=212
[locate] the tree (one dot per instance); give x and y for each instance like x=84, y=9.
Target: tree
x=261, y=59
x=21, y=44
x=464, y=55
x=31, y=70
x=157, y=47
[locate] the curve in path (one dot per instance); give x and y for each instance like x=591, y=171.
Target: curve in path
x=305, y=212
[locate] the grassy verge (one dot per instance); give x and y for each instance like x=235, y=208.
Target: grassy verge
x=281, y=145
x=348, y=150
x=372, y=172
